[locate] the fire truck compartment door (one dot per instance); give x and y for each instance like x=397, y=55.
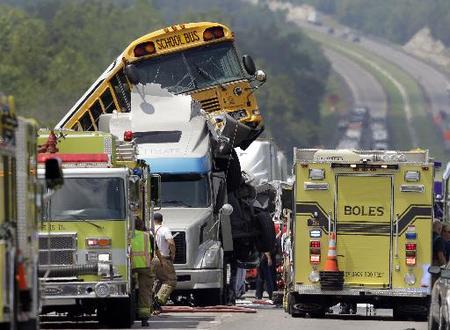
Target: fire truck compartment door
x=364, y=219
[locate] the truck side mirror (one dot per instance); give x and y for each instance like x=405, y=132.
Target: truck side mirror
x=155, y=190
x=53, y=173
x=132, y=74
x=260, y=76
x=249, y=64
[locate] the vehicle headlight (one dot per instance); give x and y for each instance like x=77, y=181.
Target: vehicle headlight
x=314, y=276
x=410, y=279
x=316, y=173
x=211, y=257
x=104, y=257
x=412, y=176
x=101, y=290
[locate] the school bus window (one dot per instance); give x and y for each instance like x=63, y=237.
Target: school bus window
x=122, y=91
x=86, y=122
x=196, y=68
x=108, y=101
x=96, y=111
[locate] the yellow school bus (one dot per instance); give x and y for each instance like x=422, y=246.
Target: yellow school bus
x=199, y=59
x=379, y=204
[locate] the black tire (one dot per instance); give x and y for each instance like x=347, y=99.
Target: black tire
x=31, y=324
x=117, y=312
x=265, y=242
x=208, y=297
x=291, y=310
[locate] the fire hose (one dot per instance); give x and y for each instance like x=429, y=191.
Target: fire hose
x=71, y=270
x=207, y=309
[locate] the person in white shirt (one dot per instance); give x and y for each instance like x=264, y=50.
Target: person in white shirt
x=163, y=270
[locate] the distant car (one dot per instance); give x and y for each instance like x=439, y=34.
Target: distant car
x=342, y=124
x=379, y=135
x=356, y=38
x=353, y=133
x=439, y=315
x=377, y=126
x=380, y=146
x=360, y=109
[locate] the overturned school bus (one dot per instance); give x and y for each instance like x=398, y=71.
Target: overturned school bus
x=378, y=208
x=85, y=238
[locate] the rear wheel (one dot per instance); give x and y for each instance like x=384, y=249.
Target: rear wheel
x=410, y=312
x=292, y=301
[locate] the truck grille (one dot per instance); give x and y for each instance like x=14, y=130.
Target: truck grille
x=180, y=244
x=210, y=105
x=57, y=249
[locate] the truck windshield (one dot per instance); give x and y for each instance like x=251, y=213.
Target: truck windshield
x=192, y=69
x=185, y=190
x=88, y=199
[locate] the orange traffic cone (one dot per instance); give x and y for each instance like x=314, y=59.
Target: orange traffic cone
x=331, y=263
x=21, y=275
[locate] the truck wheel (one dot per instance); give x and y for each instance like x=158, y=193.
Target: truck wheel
x=291, y=310
x=208, y=297
x=31, y=324
x=117, y=312
x=410, y=312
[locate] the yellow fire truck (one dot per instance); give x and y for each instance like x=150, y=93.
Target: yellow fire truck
x=380, y=206
x=19, y=212
x=85, y=239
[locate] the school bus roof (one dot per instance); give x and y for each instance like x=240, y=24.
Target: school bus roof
x=360, y=156
x=176, y=37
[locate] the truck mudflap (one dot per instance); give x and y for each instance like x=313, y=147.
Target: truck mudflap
x=396, y=292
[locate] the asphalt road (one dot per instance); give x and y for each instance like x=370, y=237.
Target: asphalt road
x=366, y=90
x=433, y=81
x=264, y=318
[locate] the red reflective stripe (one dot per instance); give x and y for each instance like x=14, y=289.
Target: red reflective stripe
x=74, y=158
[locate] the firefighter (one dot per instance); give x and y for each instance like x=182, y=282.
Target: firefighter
x=141, y=263
x=162, y=266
